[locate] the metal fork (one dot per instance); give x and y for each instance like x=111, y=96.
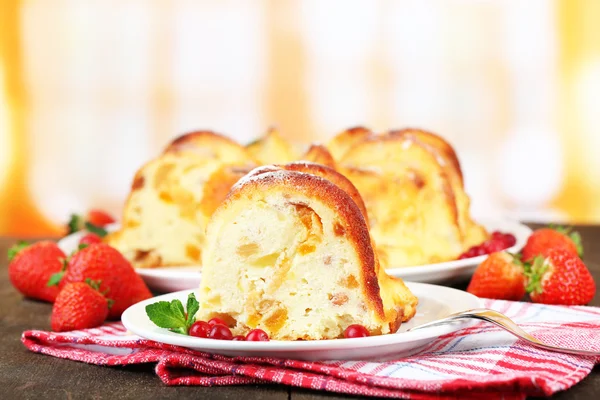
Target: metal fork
x=505, y=323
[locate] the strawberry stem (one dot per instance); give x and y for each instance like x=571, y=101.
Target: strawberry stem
x=16, y=249
x=576, y=238
x=535, y=275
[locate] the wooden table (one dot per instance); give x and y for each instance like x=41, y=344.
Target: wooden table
x=25, y=375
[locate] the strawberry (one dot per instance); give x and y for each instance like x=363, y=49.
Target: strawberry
x=543, y=240
x=500, y=276
x=95, y=221
x=31, y=266
x=79, y=305
x=560, y=277
x=99, y=218
x=119, y=281
x=90, y=238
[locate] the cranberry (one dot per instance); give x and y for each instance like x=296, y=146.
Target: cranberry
x=90, y=238
x=356, y=331
x=220, y=332
x=238, y=338
x=497, y=235
x=257, y=335
x=480, y=251
x=200, y=329
x=510, y=240
x=216, y=321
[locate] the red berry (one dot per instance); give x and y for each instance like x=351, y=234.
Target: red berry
x=356, y=331
x=200, y=329
x=480, y=251
x=257, y=335
x=99, y=218
x=238, y=338
x=493, y=246
x=510, y=240
x=216, y=321
x=497, y=235
x=220, y=332
x=90, y=238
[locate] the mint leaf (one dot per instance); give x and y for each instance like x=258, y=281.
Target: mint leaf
x=75, y=223
x=167, y=315
x=95, y=229
x=192, y=308
x=16, y=249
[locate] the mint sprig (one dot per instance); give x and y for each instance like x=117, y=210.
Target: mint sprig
x=172, y=316
x=98, y=230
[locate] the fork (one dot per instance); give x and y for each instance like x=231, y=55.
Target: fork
x=505, y=323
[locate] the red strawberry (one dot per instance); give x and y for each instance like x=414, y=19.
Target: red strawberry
x=31, y=267
x=99, y=218
x=79, y=305
x=543, y=240
x=560, y=278
x=500, y=276
x=90, y=238
x=119, y=281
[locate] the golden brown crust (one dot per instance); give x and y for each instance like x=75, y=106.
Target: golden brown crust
x=446, y=189
x=319, y=154
x=321, y=190
x=191, y=140
x=333, y=176
x=439, y=144
x=344, y=141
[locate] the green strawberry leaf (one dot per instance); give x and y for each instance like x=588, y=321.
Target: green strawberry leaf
x=192, y=308
x=55, y=278
x=16, y=249
x=536, y=274
x=95, y=229
x=75, y=223
x=167, y=315
x=93, y=284
x=576, y=238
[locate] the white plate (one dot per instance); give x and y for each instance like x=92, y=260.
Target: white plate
x=450, y=271
x=434, y=302
x=172, y=279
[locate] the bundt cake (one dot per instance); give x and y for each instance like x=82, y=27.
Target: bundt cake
x=289, y=252
x=173, y=196
x=412, y=187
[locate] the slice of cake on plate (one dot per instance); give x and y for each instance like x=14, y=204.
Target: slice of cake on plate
x=289, y=252
x=173, y=196
x=412, y=187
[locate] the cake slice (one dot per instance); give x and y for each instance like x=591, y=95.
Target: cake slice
x=172, y=198
x=473, y=233
x=289, y=252
x=410, y=200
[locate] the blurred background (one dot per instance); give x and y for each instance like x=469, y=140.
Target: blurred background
x=90, y=90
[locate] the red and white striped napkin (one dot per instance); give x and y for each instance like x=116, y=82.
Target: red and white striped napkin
x=474, y=361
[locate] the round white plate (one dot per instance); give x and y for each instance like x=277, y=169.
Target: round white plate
x=172, y=279
x=435, y=302
x=450, y=271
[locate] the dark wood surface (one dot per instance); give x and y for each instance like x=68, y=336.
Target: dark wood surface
x=25, y=375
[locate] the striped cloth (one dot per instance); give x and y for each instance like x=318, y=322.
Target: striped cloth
x=475, y=361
